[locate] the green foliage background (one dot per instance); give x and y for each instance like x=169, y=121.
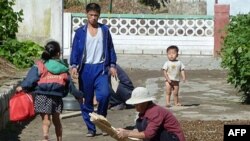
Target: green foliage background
x=236, y=54
x=9, y=20
x=21, y=54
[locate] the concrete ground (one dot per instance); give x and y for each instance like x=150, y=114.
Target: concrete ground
x=206, y=96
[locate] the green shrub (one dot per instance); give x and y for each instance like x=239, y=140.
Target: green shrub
x=236, y=54
x=9, y=20
x=70, y=3
x=21, y=54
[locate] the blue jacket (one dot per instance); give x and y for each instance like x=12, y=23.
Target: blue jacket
x=30, y=83
x=79, y=45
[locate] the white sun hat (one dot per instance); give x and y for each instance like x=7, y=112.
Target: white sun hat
x=140, y=95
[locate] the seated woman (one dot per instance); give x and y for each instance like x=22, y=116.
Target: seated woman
x=155, y=123
x=118, y=97
x=125, y=87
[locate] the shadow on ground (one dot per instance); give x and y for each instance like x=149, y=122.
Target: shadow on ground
x=13, y=130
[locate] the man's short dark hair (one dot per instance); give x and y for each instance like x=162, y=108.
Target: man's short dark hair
x=93, y=7
x=173, y=47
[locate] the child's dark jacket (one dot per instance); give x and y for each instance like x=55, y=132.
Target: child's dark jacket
x=55, y=67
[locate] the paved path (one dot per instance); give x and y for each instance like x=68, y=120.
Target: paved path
x=206, y=96
x=155, y=62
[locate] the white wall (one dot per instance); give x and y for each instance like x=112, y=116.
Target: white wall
x=236, y=6
x=42, y=20
x=144, y=35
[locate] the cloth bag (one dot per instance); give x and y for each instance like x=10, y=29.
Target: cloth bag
x=115, y=83
x=21, y=107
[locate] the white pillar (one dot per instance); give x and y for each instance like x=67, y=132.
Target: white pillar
x=56, y=24
x=67, y=34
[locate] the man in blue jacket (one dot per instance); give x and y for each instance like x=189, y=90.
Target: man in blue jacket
x=93, y=57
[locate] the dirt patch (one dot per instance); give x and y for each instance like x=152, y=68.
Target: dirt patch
x=7, y=71
x=207, y=130
x=118, y=7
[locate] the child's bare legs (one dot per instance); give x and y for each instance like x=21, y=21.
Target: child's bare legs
x=168, y=93
x=176, y=93
x=58, y=126
x=46, y=125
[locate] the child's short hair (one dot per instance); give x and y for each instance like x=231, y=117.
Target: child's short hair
x=173, y=47
x=93, y=7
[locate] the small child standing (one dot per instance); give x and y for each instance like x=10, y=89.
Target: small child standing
x=50, y=81
x=172, y=70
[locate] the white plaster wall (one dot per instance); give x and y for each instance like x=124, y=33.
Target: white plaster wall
x=158, y=44
x=42, y=20
x=56, y=31
x=236, y=6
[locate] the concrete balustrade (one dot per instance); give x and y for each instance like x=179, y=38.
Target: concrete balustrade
x=150, y=33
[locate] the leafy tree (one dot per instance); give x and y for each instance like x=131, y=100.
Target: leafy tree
x=9, y=20
x=69, y=3
x=155, y=4
x=21, y=54
x=236, y=54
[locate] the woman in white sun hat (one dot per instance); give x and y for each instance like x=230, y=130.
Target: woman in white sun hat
x=154, y=123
